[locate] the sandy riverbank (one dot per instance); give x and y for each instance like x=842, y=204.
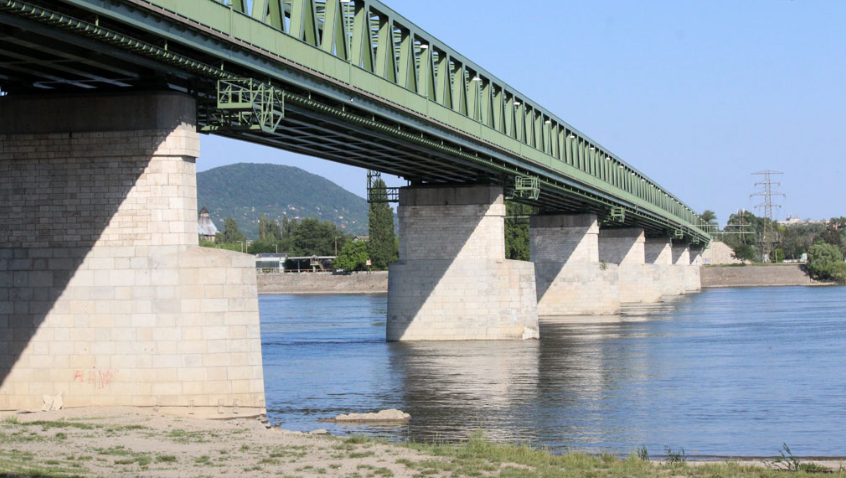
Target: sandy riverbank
x=127, y=442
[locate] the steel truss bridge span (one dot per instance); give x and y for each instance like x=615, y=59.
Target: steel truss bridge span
x=348, y=81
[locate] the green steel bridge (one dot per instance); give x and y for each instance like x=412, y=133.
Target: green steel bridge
x=350, y=81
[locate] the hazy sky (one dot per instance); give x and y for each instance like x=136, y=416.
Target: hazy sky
x=698, y=94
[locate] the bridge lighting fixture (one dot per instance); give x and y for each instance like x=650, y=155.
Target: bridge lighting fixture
x=423, y=46
x=548, y=122
x=517, y=103
x=476, y=78
x=621, y=166
x=608, y=158
x=572, y=136
x=592, y=148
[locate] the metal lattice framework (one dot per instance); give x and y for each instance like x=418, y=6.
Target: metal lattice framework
x=350, y=81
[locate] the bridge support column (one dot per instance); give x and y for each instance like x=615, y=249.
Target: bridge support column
x=452, y=281
x=693, y=281
x=105, y=297
x=569, y=278
x=670, y=279
x=625, y=247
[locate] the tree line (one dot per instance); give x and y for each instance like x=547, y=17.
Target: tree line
x=824, y=242
x=312, y=237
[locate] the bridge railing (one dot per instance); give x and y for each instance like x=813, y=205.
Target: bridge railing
x=370, y=36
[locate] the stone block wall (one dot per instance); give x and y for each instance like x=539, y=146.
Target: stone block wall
x=639, y=282
x=569, y=278
x=670, y=278
x=452, y=281
x=105, y=297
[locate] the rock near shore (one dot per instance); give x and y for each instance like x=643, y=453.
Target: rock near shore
x=391, y=415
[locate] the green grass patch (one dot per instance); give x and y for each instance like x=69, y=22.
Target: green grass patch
x=48, y=425
x=184, y=437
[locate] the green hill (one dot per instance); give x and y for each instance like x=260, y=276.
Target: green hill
x=246, y=191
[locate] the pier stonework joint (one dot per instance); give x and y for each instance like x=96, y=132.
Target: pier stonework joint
x=452, y=281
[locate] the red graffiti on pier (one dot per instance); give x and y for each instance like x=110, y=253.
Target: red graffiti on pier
x=98, y=378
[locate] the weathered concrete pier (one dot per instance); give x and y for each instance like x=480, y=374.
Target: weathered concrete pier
x=105, y=296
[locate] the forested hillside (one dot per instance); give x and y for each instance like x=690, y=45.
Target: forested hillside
x=245, y=191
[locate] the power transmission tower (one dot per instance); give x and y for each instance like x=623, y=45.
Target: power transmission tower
x=767, y=192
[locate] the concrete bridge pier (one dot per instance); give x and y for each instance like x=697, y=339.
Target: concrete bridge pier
x=452, y=281
x=105, y=297
x=569, y=278
x=626, y=248
x=693, y=280
x=669, y=278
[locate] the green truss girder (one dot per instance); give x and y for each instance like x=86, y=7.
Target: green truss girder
x=378, y=53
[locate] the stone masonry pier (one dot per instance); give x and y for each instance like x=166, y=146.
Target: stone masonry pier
x=452, y=281
x=105, y=297
x=626, y=248
x=569, y=278
x=669, y=277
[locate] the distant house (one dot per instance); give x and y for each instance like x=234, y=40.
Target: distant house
x=207, y=229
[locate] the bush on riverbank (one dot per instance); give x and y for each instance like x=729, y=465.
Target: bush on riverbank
x=825, y=262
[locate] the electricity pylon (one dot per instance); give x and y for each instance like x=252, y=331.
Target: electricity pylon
x=767, y=192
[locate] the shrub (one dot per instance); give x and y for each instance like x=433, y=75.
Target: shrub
x=825, y=262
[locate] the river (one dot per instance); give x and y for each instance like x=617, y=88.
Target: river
x=727, y=372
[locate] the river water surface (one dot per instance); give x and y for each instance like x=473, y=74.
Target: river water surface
x=727, y=372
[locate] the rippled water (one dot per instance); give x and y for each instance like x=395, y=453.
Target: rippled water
x=726, y=372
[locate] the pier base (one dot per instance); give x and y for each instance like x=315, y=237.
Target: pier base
x=452, y=281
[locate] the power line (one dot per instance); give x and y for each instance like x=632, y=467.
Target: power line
x=766, y=191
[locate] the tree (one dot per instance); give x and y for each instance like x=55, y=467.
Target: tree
x=313, y=237
x=382, y=244
x=517, y=231
x=825, y=261
x=745, y=252
x=268, y=230
x=834, y=234
x=353, y=257
x=822, y=253
x=709, y=217
x=288, y=226
x=231, y=234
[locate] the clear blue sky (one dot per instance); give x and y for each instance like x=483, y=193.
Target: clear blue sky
x=697, y=94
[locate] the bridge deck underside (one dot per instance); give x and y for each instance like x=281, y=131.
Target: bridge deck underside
x=36, y=58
